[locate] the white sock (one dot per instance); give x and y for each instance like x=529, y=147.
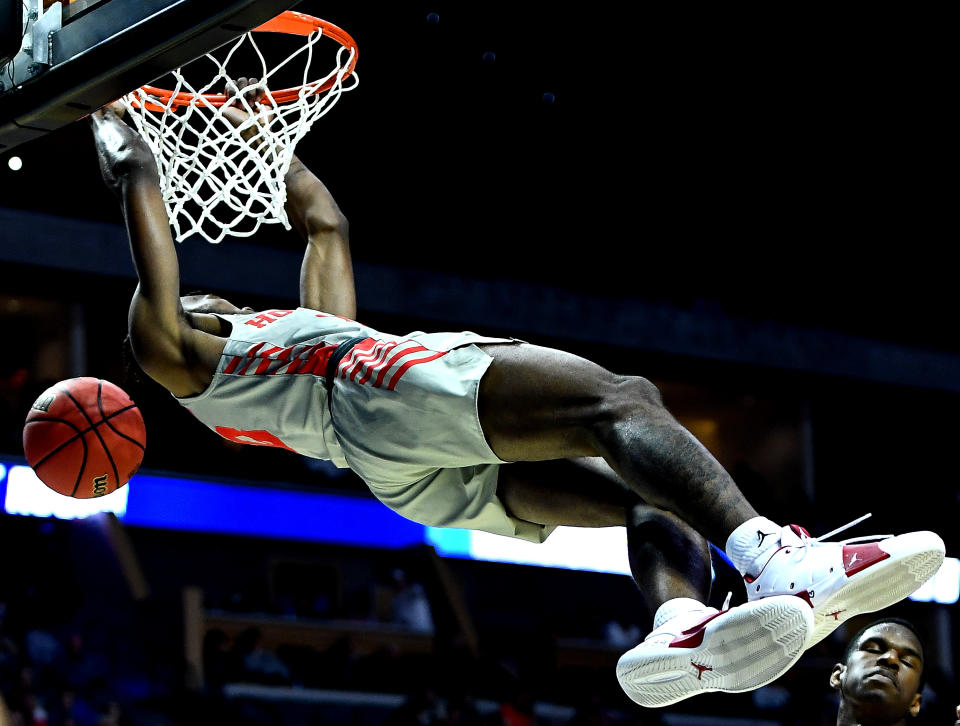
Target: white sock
x=748, y=542
x=674, y=607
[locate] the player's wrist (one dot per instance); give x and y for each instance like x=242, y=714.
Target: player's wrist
x=296, y=168
x=142, y=174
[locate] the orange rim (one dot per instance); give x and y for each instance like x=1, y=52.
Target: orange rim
x=290, y=22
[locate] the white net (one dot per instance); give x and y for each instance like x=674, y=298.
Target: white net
x=219, y=178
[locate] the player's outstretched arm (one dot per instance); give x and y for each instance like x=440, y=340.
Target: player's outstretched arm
x=326, y=274
x=156, y=316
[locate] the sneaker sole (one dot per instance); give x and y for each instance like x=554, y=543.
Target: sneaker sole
x=914, y=559
x=744, y=649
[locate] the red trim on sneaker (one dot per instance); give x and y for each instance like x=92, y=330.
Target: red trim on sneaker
x=857, y=558
x=694, y=634
x=749, y=579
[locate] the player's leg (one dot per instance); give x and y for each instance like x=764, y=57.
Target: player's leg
x=737, y=649
x=539, y=403
x=668, y=559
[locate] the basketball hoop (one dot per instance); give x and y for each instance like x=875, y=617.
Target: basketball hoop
x=222, y=179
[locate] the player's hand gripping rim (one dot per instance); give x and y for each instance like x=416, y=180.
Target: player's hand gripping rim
x=250, y=110
x=122, y=152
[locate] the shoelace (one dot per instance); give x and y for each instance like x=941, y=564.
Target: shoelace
x=838, y=530
x=798, y=538
x=807, y=542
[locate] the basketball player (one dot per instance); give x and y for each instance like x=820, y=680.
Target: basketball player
x=429, y=420
x=881, y=676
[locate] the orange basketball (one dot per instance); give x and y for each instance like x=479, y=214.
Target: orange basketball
x=84, y=437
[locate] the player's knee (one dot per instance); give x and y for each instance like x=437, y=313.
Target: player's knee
x=631, y=393
x=643, y=516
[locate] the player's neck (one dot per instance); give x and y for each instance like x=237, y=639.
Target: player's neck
x=848, y=715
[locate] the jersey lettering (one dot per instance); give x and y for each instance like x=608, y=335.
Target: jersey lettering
x=264, y=319
x=253, y=438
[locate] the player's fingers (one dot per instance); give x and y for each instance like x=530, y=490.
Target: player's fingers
x=253, y=92
x=98, y=116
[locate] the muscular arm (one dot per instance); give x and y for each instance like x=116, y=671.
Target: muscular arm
x=326, y=274
x=162, y=340
x=156, y=318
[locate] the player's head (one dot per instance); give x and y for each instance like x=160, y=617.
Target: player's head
x=205, y=303
x=882, y=672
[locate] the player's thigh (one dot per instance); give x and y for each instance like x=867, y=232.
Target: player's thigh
x=539, y=403
x=564, y=493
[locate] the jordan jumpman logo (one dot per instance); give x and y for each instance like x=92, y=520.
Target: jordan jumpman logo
x=700, y=669
x=762, y=535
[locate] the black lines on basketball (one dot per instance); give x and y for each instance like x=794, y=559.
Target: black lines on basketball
x=116, y=474
x=83, y=465
x=106, y=420
x=66, y=443
x=71, y=410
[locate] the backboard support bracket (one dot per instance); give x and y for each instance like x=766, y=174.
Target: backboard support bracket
x=43, y=29
x=100, y=56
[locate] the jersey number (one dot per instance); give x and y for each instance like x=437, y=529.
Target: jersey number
x=253, y=438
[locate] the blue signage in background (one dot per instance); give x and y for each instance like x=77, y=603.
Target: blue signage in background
x=176, y=503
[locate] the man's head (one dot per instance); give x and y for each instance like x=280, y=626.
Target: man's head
x=203, y=303
x=881, y=675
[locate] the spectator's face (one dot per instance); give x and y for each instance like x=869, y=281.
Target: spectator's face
x=881, y=678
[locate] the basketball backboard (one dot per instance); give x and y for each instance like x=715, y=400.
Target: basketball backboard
x=77, y=55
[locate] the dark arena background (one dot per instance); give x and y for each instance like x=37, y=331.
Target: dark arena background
x=749, y=207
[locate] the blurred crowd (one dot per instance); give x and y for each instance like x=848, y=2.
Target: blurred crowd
x=63, y=665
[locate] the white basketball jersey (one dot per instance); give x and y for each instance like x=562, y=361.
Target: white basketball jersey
x=269, y=388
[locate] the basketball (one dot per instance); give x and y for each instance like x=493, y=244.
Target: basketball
x=84, y=437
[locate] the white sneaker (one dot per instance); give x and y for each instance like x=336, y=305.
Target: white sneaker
x=704, y=649
x=844, y=579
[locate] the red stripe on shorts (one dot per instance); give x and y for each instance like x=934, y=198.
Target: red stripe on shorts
x=406, y=366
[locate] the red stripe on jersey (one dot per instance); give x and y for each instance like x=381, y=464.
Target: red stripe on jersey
x=376, y=355
x=246, y=365
x=317, y=360
x=303, y=359
x=283, y=357
x=231, y=366
x=252, y=354
x=377, y=365
x=406, y=366
x=354, y=355
x=265, y=363
x=364, y=348
x=393, y=361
